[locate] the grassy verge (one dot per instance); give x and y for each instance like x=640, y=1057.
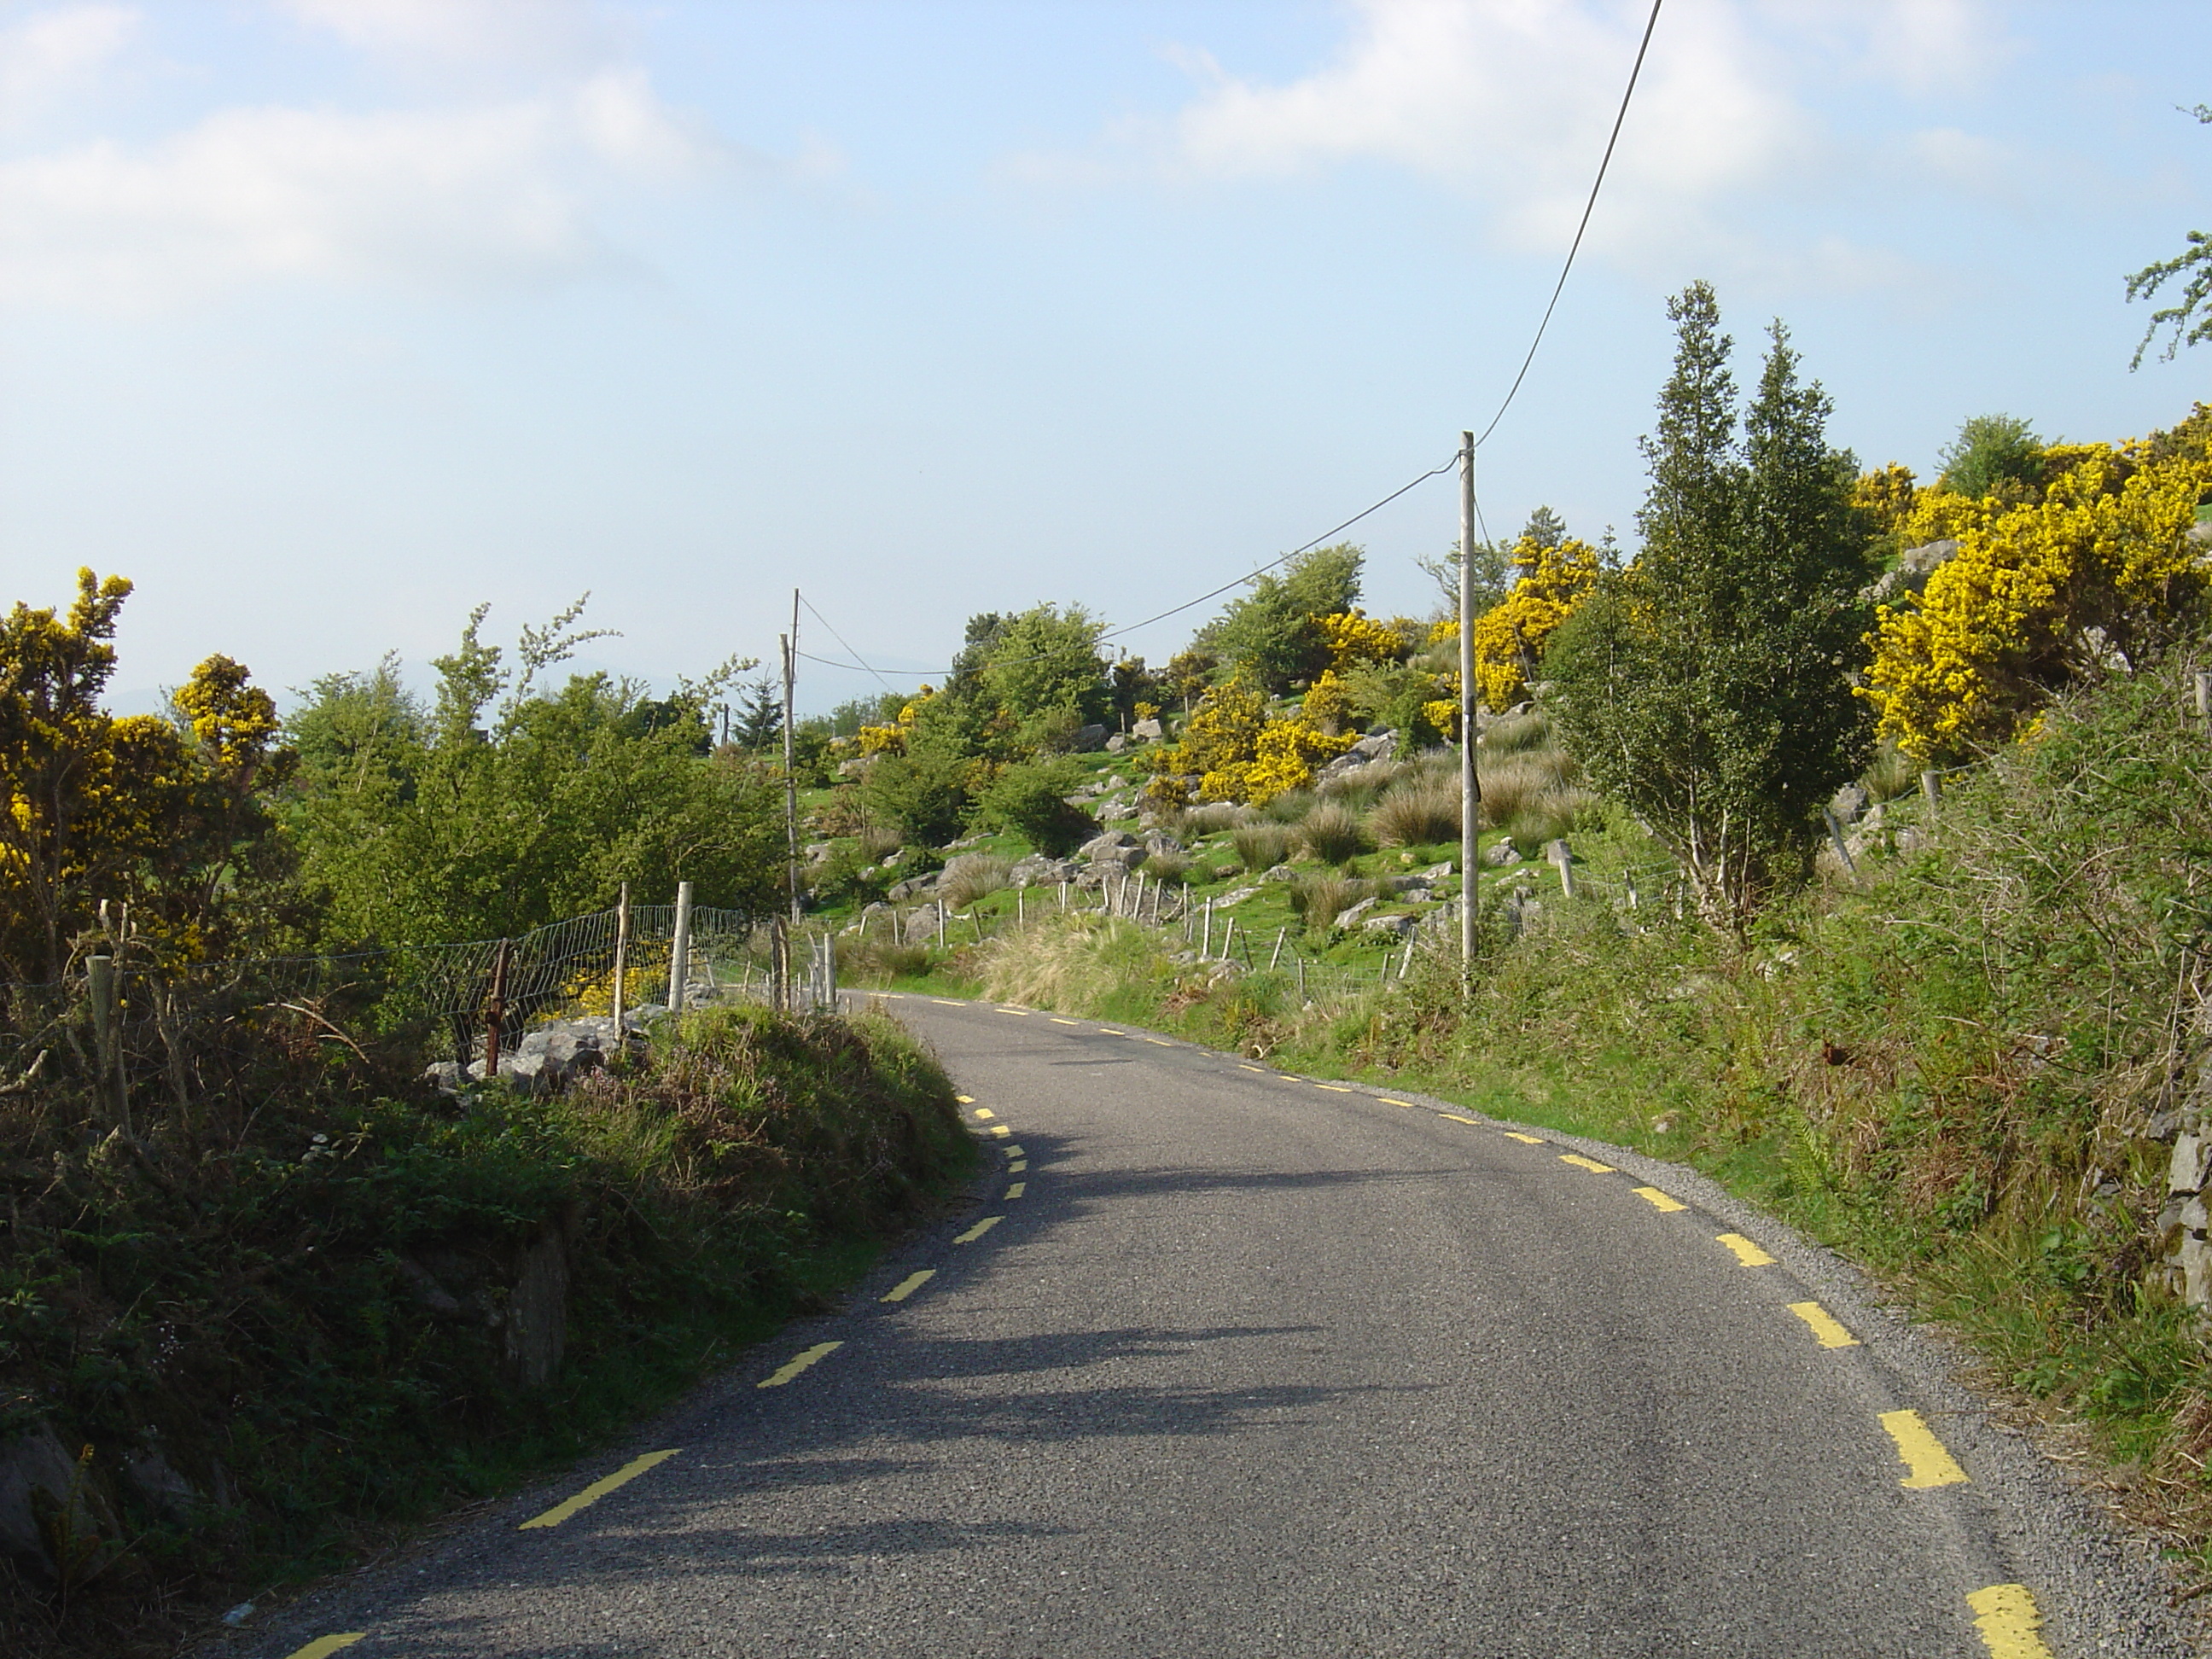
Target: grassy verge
x=285, y=1339
x=1960, y=1068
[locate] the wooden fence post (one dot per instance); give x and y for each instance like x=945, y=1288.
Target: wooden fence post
x=496, y=1012
x=679, y=952
x=622, y=961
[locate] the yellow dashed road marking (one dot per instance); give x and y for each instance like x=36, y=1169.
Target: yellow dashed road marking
x=1659, y=1200
x=1333, y=1088
x=1453, y=1117
x=1024, y=1012
x=323, y=1646
x=1749, y=1254
x=1160, y=1041
x=1826, y=1330
x=1526, y=1140
x=965, y=1100
x=1018, y=1166
x=1057, y=1020
x=1921, y=1452
x=1242, y=1066
x=1017, y=1188
x=913, y=1282
x=1013, y=1152
x=1386, y=1101
x=599, y=1489
x=978, y=1229
x=799, y=1362
x=2007, y=1616
x=947, y=1002
x=1000, y=1129
x=983, y=1114
x=1590, y=1163
x=1108, y=1030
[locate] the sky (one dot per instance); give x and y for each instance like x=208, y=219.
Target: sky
x=325, y=321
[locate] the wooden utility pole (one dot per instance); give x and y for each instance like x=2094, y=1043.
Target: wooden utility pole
x=790, y=760
x=1470, y=786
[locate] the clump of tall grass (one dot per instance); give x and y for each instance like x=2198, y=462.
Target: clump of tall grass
x=1893, y=773
x=1363, y=786
x=878, y=841
x=971, y=876
x=1167, y=867
x=1076, y=964
x=1517, y=733
x=1419, y=814
x=1261, y=845
x=1520, y=781
x=1289, y=807
x=1319, y=900
x=877, y=960
x=1211, y=818
x=1332, y=833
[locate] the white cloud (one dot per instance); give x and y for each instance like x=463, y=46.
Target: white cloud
x=495, y=191
x=460, y=30
x=53, y=53
x=1510, y=101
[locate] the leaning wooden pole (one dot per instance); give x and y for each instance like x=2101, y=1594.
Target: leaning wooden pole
x=1470, y=785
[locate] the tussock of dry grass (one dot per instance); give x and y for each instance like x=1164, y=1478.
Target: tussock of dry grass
x=1418, y=814
x=972, y=876
x=1332, y=833
x=1076, y=964
x=1261, y=845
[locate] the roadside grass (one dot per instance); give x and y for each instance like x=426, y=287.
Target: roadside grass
x=258, y=1316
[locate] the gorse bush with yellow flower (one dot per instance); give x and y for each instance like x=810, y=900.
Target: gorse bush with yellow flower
x=2095, y=572
x=171, y=818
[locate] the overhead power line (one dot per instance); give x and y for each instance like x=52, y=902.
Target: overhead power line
x=859, y=666
x=1544, y=324
x=1560, y=287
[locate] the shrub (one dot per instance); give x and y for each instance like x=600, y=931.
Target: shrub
x=2100, y=572
x=1332, y=833
x=1261, y=845
x=1029, y=799
x=972, y=876
x=1416, y=815
x=925, y=794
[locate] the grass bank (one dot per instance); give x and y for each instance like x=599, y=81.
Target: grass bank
x=285, y=1329
x=1961, y=1066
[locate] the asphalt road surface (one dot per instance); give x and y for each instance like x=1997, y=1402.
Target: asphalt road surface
x=1229, y=1362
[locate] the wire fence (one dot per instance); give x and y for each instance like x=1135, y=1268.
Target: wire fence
x=150, y=1024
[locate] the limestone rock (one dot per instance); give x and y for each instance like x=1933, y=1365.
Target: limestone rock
x=1352, y=915
x=1504, y=854
x=1088, y=739
x=1149, y=731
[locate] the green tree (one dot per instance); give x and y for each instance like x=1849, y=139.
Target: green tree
x=1030, y=798
x=1993, y=455
x=1043, y=672
x=2189, y=317
x=759, y=724
x=512, y=804
x=1272, y=634
x=1705, y=686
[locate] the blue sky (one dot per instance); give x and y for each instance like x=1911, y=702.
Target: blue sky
x=324, y=320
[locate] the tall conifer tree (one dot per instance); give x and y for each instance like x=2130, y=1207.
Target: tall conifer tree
x=1705, y=685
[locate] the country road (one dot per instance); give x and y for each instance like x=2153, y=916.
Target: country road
x=1228, y=1362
